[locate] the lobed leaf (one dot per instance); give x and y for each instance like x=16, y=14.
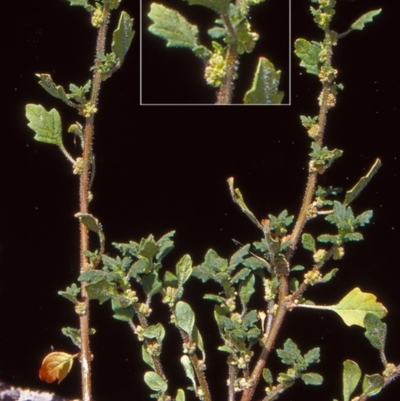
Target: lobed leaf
x=308, y=53
x=46, y=124
x=122, y=36
x=219, y=6
x=264, y=89
x=173, y=27
x=46, y=82
x=365, y=18
x=355, y=305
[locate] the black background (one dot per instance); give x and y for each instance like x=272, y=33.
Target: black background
x=164, y=168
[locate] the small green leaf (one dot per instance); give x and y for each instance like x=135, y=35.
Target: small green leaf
x=89, y=221
x=351, y=377
x=71, y=293
x=156, y=331
x=83, y=3
x=376, y=331
x=290, y=354
x=151, y=284
x=46, y=124
x=147, y=357
x=173, y=27
x=46, y=82
x=362, y=183
x=187, y=366
x=219, y=6
x=328, y=276
x=73, y=334
x=246, y=289
x=184, y=269
x=155, y=382
x=308, y=53
x=264, y=89
x=121, y=312
x=372, y=384
x=267, y=376
x=185, y=317
x=238, y=199
x=308, y=242
x=180, y=395
x=365, y=18
x=122, y=36
x=313, y=379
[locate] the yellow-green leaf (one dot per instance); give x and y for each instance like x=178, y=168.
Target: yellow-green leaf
x=56, y=366
x=355, y=305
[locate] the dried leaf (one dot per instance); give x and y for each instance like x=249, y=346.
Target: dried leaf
x=56, y=366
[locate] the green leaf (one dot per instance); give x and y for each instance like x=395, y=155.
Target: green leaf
x=313, y=379
x=83, y=3
x=312, y=356
x=173, y=27
x=267, y=376
x=122, y=36
x=362, y=183
x=184, y=269
x=92, y=224
x=89, y=221
x=290, y=354
x=185, y=317
x=246, y=289
x=46, y=124
x=328, y=276
x=365, y=18
x=187, y=366
x=180, y=395
x=151, y=284
x=308, y=242
x=219, y=6
x=71, y=293
x=147, y=357
x=101, y=290
x=122, y=312
x=308, y=53
x=73, y=334
x=372, y=384
x=238, y=199
x=355, y=305
x=264, y=89
x=155, y=382
x=156, y=331
x=46, y=82
x=376, y=331
x=198, y=339
x=351, y=377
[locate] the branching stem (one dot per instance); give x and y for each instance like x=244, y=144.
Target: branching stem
x=86, y=355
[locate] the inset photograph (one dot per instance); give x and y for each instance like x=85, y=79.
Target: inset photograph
x=215, y=52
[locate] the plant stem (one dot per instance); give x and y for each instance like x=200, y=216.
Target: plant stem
x=269, y=340
x=226, y=89
x=84, y=187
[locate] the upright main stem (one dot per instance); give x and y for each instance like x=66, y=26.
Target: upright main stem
x=84, y=188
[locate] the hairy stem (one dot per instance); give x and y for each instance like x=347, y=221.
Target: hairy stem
x=84, y=187
x=268, y=340
x=226, y=88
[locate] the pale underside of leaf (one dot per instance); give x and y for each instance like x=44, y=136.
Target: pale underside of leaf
x=264, y=89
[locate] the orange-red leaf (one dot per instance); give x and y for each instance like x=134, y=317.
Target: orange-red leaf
x=56, y=366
